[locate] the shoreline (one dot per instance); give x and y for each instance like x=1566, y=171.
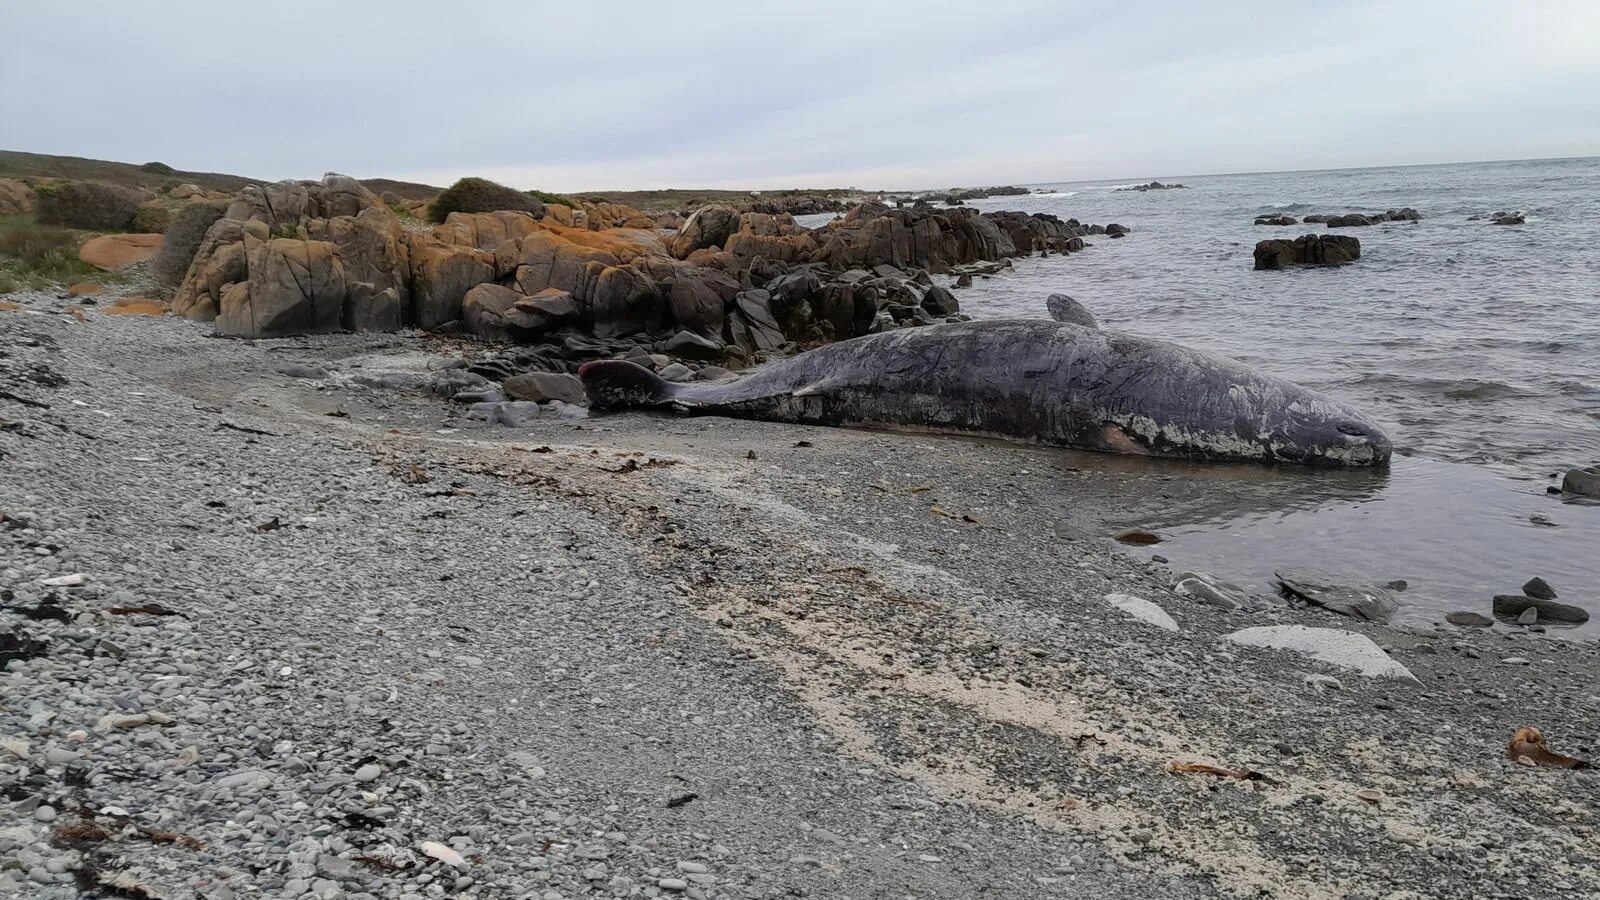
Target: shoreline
x=861, y=687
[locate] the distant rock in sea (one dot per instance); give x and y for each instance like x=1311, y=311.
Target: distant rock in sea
x=1277, y=220
x=1152, y=186
x=1307, y=250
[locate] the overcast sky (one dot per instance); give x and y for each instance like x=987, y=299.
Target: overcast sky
x=618, y=94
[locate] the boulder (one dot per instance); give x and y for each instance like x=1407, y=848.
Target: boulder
x=709, y=226
x=940, y=302
x=543, y=387
x=698, y=298
x=1277, y=220
x=1584, y=481
x=1468, y=619
x=1351, y=220
x=294, y=287
x=1307, y=250
x=752, y=323
x=1345, y=596
x=1333, y=646
x=1114, y=229
x=484, y=308
x=688, y=345
x=441, y=275
x=16, y=198
x=1065, y=309
x=373, y=248
x=1210, y=590
x=552, y=303
x=111, y=252
x=626, y=301
x=1514, y=605
x=487, y=230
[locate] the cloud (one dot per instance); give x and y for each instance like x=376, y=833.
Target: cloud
x=623, y=94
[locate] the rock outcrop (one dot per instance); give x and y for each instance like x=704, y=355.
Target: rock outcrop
x=1358, y=220
x=1307, y=250
x=16, y=198
x=111, y=252
x=1277, y=220
x=1151, y=186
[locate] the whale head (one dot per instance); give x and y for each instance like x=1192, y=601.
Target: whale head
x=1315, y=429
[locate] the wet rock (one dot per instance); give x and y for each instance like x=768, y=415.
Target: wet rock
x=1136, y=536
x=1339, y=594
x=688, y=345
x=1513, y=605
x=1584, y=481
x=297, y=370
x=1277, y=220
x=1210, y=590
x=1539, y=588
x=1530, y=616
x=1468, y=619
x=1065, y=309
x=1509, y=219
x=1307, y=250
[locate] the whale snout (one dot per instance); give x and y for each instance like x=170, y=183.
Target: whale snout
x=1356, y=441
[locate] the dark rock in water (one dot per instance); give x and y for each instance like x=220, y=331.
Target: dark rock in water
x=1065, y=309
x=542, y=387
x=296, y=370
x=1539, y=588
x=1339, y=594
x=1277, y=220
x=1467, y=619
x=1399, y=584
x=1095, y=229
x=964, y=280
x=1137, y=536
x=1152, y=186
x=1316, y=218
x=1307, y=250
x=940, y=302
x=1352, y=220
x=1513, y=605
x=1210, y=590
x=1509, y=219
x=688, y=345
x=1114, y=229
x=1585, y=481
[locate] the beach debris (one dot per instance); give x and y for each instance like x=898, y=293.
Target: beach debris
x=76, y=579
x=1336, y=593
x=1143, y=610
x=1336, y=647
x=1137, y=536
x=1180, y=767
x=1528, y=748
x=443, y=853
x=939, y=511
x=1370, y=795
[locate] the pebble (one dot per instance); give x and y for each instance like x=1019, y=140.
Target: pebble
x=368, y=772
x=672, y=884
x=45, y=813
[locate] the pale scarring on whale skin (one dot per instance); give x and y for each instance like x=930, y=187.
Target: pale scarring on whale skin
x=1050, y=382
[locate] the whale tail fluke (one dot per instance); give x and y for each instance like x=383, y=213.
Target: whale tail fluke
x=619, y=384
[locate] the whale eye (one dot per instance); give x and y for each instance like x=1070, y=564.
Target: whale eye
x=1352, y=430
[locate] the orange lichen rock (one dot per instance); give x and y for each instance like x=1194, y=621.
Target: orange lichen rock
x=136, y=306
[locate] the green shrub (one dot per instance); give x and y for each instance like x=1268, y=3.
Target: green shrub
x=35, y=255
x=547, y=197
x=158, y=168
x=87, y=204
x=184, y=234
x=480, y=195
x=151, y=219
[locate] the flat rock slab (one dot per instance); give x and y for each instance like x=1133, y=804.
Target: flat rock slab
x=1339, y=594
x=1143, y=610
x=1344, y=649
x=111, y=252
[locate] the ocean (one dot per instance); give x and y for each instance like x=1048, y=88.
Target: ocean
x=1477, y=346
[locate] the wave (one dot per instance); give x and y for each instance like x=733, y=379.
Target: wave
x=1289, y=207
x=1055, y=194
x=1453, y=388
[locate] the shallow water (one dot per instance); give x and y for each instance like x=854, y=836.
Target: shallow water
x=1476, y=346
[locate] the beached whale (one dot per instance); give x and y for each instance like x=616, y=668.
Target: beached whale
x=1052, y=382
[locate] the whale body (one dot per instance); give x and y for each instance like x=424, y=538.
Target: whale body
x=1055, y=383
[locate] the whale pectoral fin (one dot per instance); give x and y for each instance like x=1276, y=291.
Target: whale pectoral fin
x=1118, y=440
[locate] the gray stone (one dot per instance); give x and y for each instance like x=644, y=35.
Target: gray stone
x=296, y=370
x=1210, y=590
x=1468, y=619
x=1539, y=588
x=688, y=345
x=1585, y=481
x=677, y=372
x=541, y=387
